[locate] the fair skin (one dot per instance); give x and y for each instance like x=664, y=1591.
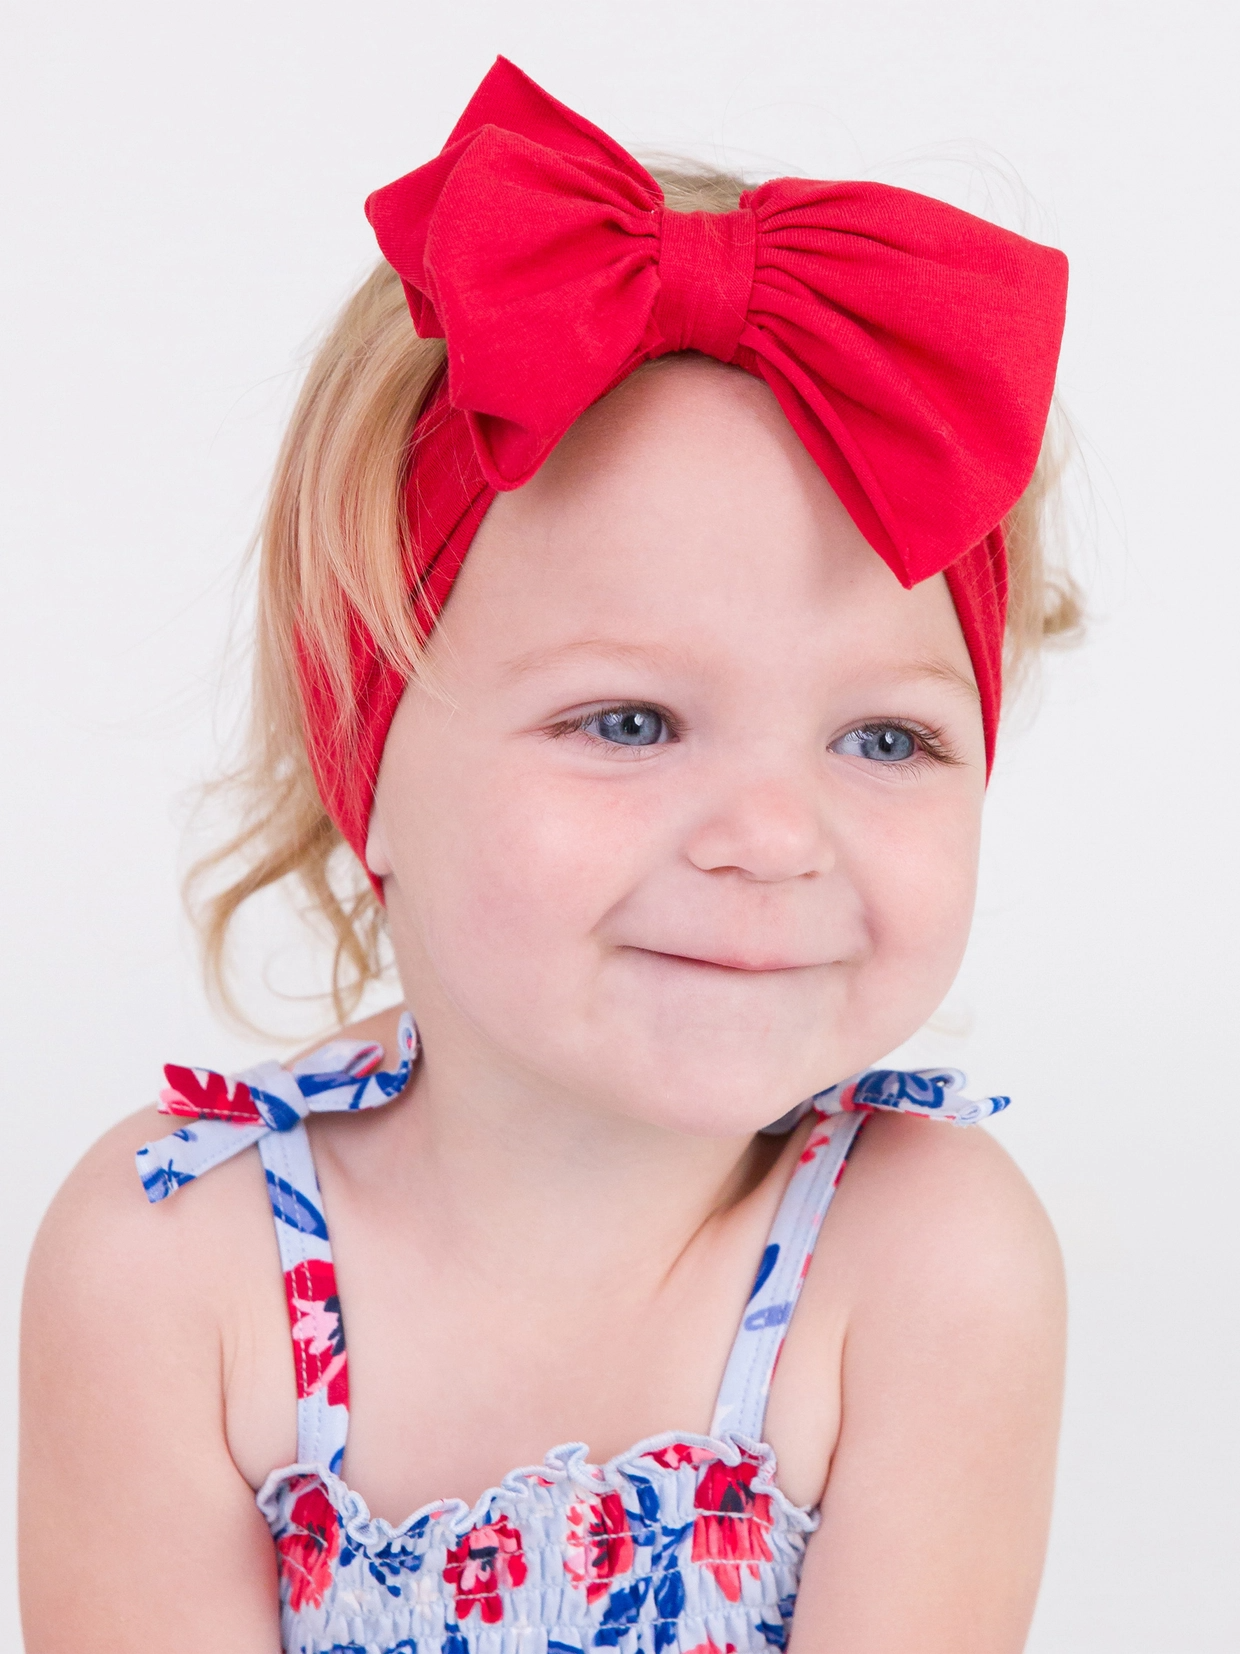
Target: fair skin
x=682, y=828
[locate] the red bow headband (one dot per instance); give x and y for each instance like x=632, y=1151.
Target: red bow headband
x=911, y=346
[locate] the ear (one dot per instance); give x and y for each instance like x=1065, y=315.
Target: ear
x=378, y=861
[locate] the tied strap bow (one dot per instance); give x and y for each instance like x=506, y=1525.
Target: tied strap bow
x=231, y=1113
x=932, y=1093
x=935, y=1093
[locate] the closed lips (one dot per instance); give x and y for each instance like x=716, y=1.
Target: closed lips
x=731, y=962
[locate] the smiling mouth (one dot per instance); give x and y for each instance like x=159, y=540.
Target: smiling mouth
x=734, y=965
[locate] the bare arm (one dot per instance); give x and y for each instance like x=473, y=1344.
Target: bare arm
x=938, y=1500
x=137, y=1530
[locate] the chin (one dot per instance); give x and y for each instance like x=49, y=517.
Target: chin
x=727, y=1071
x=721, y=1092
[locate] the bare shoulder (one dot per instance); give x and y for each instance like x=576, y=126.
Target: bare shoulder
x=103, y=1239
x=945, y=1215
x=124, y=1368
x=151, y=1291
x=936, y=1267
x=944, y=1277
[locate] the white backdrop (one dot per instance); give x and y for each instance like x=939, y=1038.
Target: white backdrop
x=183, y=193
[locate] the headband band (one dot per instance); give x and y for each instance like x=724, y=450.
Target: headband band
x=911, y=346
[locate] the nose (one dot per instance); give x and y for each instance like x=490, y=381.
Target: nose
x=768, y=831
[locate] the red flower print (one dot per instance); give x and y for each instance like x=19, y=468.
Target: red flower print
x=597, y=1545
x=307, y=1550
x=818, y=1139
x=198, y=1094
x=318, y=1333
x=679, y=1453
x=488, y=1560
x=709, y=1647
x=731, y=1526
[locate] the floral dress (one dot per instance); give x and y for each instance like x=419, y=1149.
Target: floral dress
x=683, y=1544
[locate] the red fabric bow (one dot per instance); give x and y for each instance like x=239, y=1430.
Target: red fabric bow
x=911, y=346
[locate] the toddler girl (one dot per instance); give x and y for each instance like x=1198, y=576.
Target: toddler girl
x=636, y=619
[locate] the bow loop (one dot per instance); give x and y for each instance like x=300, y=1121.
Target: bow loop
x=530, y=243
x=268, y=1095
x=913, y=348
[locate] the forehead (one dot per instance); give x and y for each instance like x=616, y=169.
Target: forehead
x=683, y=510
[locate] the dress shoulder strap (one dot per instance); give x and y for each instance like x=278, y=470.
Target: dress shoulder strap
x=320, y=1359
x=267, y=1105
x=741, y=1407
x=841, y=1111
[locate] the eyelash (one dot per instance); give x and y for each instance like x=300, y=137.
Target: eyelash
x=933, y=748
x=572, y=726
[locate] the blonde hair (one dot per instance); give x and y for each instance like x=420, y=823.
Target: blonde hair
x=331, y=539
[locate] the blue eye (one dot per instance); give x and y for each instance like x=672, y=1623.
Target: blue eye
x=628, y=726
x=882, y=743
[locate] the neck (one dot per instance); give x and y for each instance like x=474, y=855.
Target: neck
x=491, y=1158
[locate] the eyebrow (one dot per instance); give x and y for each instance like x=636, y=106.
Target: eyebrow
x=942, y=671
x=637, y=654
x=631, y=654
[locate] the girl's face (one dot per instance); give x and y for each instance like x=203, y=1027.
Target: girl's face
x=687, y=828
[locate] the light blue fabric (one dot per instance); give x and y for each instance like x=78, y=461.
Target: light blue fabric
x=682, y=1545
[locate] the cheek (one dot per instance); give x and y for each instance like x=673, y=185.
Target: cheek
x=916, y=872
x=509, y=869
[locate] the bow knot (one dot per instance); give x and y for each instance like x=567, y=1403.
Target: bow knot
x=231, y=1113
x=706, y=269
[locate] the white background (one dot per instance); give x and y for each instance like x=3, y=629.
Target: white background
x=183, y=211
